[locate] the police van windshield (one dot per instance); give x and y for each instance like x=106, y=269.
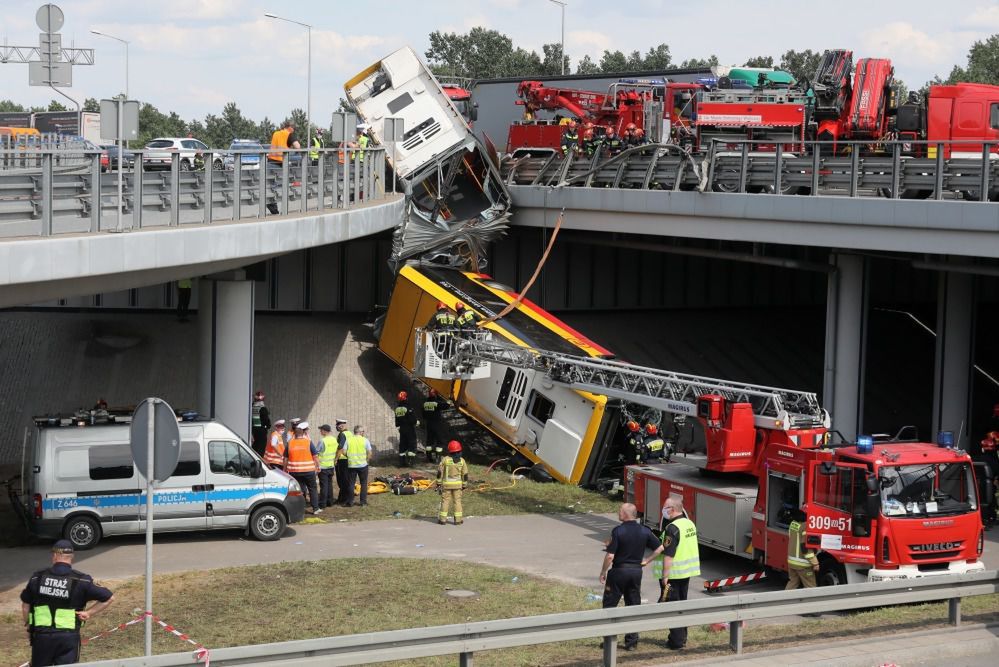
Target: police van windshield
x=923, y=490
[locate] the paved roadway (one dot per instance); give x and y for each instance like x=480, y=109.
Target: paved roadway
x=563, y=547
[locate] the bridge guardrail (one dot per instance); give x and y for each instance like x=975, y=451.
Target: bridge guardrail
x=43, y=192
x=896, y=169
x=465, y=639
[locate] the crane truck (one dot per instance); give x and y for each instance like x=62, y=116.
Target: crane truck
x=877, y=510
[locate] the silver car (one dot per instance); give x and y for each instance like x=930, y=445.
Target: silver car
x=159, y=153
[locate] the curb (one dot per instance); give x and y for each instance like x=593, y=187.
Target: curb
x=938, y=644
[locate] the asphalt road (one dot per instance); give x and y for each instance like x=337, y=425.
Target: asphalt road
x=564, y=547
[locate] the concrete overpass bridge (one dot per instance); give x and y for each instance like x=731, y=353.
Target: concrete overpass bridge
x=63, y=239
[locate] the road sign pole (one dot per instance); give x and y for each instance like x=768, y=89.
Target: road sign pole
x=121, y=142
x=149, y=515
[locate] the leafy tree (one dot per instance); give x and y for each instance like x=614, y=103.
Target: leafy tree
x=56, y=105
x=265, y=129
x=346, y=106
x=219, y=131
x=9, y=106
x=479, y=54
x=551, y=64
x=154, y=123
x=587, y=66
x=801, y=64
x=658, y=58
x=91, y=104
x=521, y=62
x=983, y=64
x=613, y=61
x=760, y=61
x=699, y=63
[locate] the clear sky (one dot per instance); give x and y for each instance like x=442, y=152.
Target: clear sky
x=193, y=56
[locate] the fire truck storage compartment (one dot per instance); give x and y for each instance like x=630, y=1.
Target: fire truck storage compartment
x=722, y=507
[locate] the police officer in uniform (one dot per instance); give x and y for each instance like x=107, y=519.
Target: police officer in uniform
x=342, y=467
x=406, y=422
x=621, y=573
x=260, y=422
x=437, y=431
x=679, y=562
x=53, y=606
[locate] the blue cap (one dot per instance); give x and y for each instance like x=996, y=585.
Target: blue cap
x=62, y=547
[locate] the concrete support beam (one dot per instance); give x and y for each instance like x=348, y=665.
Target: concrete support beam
x=846, y=335
x=225, y=323
x=953, y=366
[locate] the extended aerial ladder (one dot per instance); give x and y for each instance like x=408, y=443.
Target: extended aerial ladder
x=739, y=418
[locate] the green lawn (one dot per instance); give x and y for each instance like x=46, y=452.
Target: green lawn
x=233, y=606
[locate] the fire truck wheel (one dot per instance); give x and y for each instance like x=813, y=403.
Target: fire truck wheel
x=831, y=573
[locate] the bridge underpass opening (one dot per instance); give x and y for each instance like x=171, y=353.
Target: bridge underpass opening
x=706, y=315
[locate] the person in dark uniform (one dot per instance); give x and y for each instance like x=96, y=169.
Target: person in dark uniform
x=621, y=573
x=679, y=562
x=342, y=468
x=406, y=422
x=437, y=430
x=260, y=422
x=53, y=606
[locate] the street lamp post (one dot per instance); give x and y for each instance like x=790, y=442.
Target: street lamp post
x=561, y=54
x=308, y=102
x=121, y=198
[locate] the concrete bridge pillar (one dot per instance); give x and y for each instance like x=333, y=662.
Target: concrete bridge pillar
x=846, y=336
x=955, y=345
x=225, y=322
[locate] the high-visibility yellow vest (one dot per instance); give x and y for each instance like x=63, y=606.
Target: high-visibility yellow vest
x=451, y=473
x=41, y=617
x=357, y=451
x=316, y=145
x=687, y=559
x=327, y=458
x=795, y=557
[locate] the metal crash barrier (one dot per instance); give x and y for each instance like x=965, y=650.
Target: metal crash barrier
x=899, y=170
x=45, y=191
x=465, y=639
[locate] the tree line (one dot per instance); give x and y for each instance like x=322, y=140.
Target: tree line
x=487, y=54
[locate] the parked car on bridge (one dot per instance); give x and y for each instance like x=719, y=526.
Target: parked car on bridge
x=247, y=161
x=159, y=153
x=111, y=155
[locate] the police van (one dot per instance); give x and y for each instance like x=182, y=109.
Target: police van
x=79, y=483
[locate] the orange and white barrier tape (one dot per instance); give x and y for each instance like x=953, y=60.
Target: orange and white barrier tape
x=201, y=653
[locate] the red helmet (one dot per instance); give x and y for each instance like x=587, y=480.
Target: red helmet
x=630, y=126
x=609, y=132
x=402, y=396
x=433, y=393
x=588, y=124
x=633, y=426
x=651, y=429
x=459, y=305
x=453, y=447
x=639, y=132
x=258, y=395
x=441, y=305
x=588, y=133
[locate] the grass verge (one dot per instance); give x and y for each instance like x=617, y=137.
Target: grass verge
x=489, y=493
x=248, y=605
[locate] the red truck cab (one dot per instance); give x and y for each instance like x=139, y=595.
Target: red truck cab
x=963, y=111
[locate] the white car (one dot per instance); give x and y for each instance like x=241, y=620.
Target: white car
x=159, y=153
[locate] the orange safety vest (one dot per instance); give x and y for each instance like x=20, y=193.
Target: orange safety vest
x=299, y=456
x=274, y=452
x=279, y=140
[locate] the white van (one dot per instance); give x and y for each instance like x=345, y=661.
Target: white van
x=80, y=484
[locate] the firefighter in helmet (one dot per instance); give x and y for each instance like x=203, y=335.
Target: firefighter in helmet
x=406, y=422
x=570, y=139
x=433, y=417
x=466, y=319
x=612, y=142
x=635, y=439
x=653, y=445
x=452, y=479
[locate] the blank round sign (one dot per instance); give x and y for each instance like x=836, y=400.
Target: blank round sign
x=49, y=18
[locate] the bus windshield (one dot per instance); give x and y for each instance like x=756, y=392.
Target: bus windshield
x=931, y=489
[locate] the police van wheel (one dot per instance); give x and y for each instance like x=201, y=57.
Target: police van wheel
x=267, y=524
x=83, y=532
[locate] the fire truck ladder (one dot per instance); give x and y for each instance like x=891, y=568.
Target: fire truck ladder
x=664, y=390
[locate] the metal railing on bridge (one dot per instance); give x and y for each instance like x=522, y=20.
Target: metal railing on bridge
x=900, y=170
x=45, y=191
x=465, y=639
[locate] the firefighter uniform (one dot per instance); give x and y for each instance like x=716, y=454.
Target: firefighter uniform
x=653, y=448
x=452, y=478
x=801, y=562
x=466, y=320
x=679, y=537
x=443, y=319
x=51, y=600
x=570, y=140
x=406, y=422
x=437, y=435
x=634, y=447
